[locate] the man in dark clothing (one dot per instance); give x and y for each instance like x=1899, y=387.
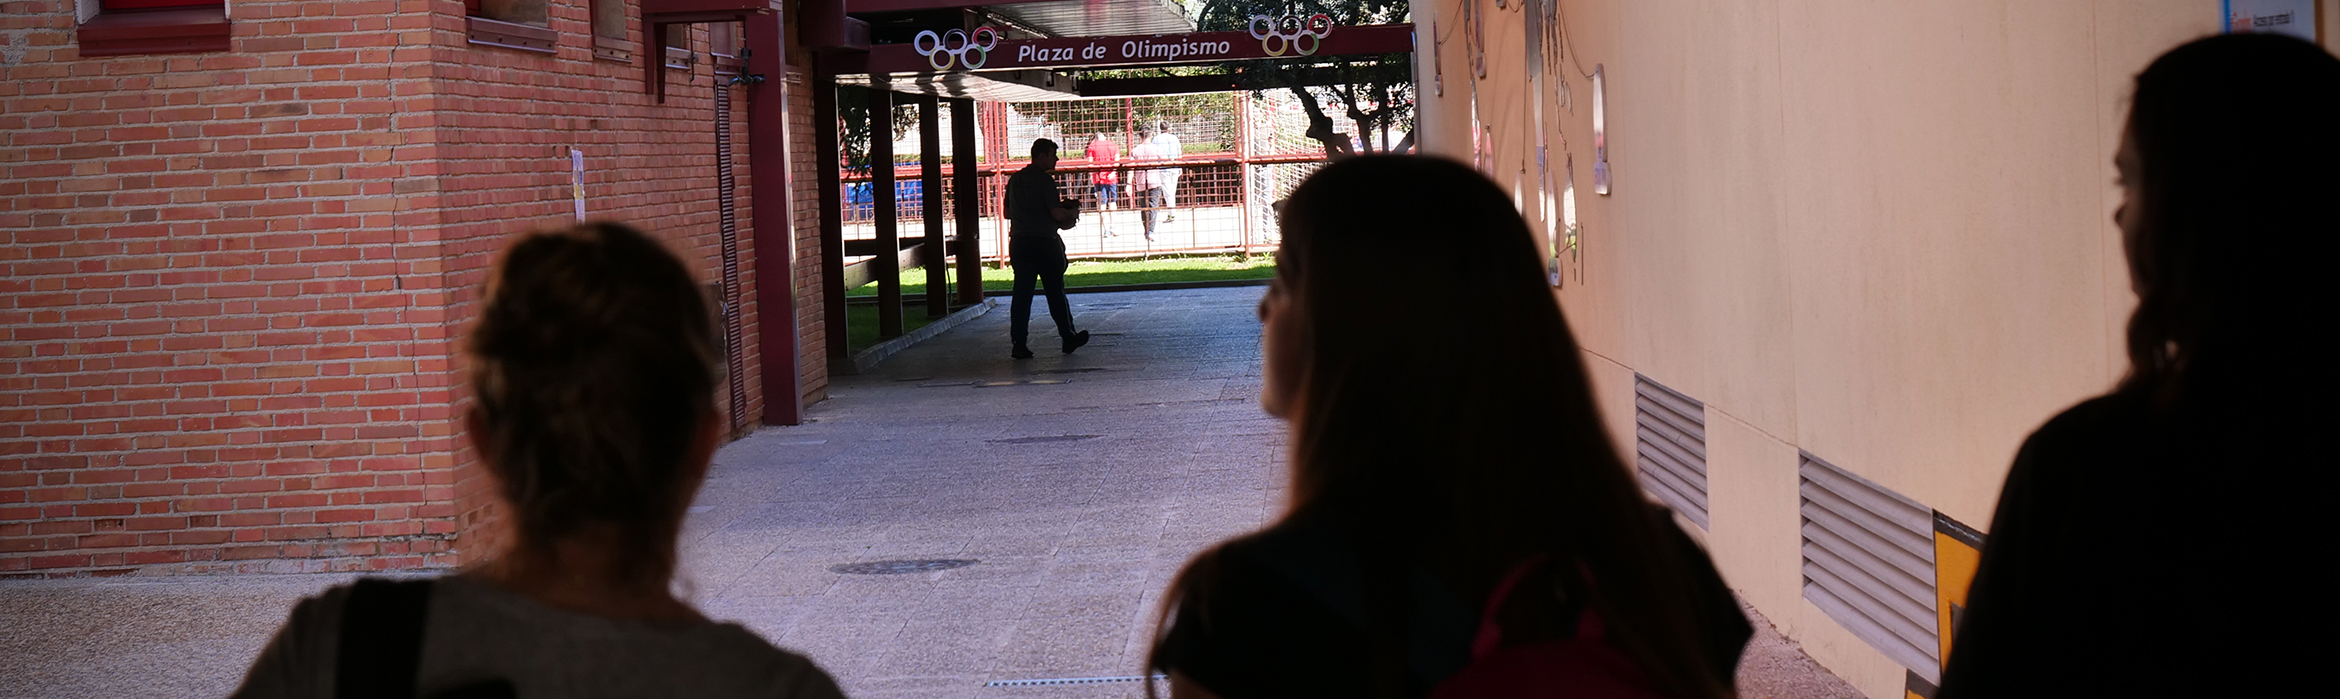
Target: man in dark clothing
x=1035, y=214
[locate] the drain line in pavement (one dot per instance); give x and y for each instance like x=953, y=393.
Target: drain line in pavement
x=1070, y=680
x=901, y=567
x=1044, y=440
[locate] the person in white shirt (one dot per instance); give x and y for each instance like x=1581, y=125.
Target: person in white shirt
x=1145, y=186
x=1167, y=147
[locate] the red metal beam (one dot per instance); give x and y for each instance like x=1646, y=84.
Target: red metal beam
x=883, y=214
x=822, y=25
x=963, y=167
x=768, y=151
x=656, y=14
x=930, y=204
x=827, y=160
x=1226, y=82
x=1137, y=50
x=735, y=8
x=191, y=30
x=861, y=6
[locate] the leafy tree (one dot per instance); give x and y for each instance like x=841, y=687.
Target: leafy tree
x=1375, y=92
x=853, y=111
x=1203, y=113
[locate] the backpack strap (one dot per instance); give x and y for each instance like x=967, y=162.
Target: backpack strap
x=381, y=639
x=1588, y=621
x=1490, y=636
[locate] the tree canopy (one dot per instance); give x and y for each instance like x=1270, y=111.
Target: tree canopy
x=1374, y=92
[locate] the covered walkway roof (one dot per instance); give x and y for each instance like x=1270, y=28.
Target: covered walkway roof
x=1035, y=49
x=1054, y=17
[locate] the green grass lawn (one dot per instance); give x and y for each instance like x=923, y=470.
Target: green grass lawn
x=861, y=320
x=1111, y=272
x=861, y=324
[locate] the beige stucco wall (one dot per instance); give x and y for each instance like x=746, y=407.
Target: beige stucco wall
x=1877, y=232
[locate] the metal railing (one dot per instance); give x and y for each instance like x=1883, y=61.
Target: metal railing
x=1236, y=154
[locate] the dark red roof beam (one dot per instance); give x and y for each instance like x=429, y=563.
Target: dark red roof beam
x=1187, y=84
x=1140, y=50
x=861, y=6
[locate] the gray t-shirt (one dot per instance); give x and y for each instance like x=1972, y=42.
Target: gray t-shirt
x=478, y=632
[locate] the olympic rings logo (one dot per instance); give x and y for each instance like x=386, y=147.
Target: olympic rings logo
x=1285, y=33
x=956, y=46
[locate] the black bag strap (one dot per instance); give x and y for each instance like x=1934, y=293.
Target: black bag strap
x=381, y=639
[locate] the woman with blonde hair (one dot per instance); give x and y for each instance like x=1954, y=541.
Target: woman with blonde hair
x=593, y=369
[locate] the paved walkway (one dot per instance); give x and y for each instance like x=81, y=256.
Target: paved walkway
x=1078, y=483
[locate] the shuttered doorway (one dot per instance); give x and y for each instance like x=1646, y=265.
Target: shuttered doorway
x=1669, y=447
x=727, y=223
x=1869, y=563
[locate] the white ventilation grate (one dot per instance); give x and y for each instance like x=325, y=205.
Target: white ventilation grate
x=1669, y=447
x=1869, y=563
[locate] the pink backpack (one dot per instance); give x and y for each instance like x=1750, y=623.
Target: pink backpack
x=1581, y=667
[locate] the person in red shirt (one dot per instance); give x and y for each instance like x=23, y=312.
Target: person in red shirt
x=1108, y=182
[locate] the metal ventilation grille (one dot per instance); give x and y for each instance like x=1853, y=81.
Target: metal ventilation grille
x=727, y=223
x=1869, y=563
x=1669, y=446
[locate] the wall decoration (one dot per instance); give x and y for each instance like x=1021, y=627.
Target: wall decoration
x=1281, y=34
x=1537, y=55
x=1547, y=202
x=1437, y=61
x=1482, y=135
x=956, y=48
x=2295, y=18
x=1569, y=230
x=577, y=181
x=1476, y=26
x=1482, y=138
x=1552, y=46
x=1600, y=132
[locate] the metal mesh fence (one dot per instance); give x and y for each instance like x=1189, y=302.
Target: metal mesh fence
x=1208, y=186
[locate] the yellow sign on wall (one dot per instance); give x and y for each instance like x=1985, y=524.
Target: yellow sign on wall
x=1957, y=552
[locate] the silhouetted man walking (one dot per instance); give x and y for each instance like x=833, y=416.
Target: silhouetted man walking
x=1035, y=214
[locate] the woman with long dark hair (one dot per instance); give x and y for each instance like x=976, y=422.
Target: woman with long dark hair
x=1445, y=444
x=2159, y=540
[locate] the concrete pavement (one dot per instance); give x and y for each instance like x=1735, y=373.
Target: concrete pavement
x=1078, y=484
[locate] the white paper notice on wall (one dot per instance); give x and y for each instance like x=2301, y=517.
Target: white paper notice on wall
x=1600, y=131
x=577, y=181
x=2296, y=18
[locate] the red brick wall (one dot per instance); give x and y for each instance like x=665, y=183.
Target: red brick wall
x=812, y=339
x=221, y=346
x=508, y=120
x=236, y=283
